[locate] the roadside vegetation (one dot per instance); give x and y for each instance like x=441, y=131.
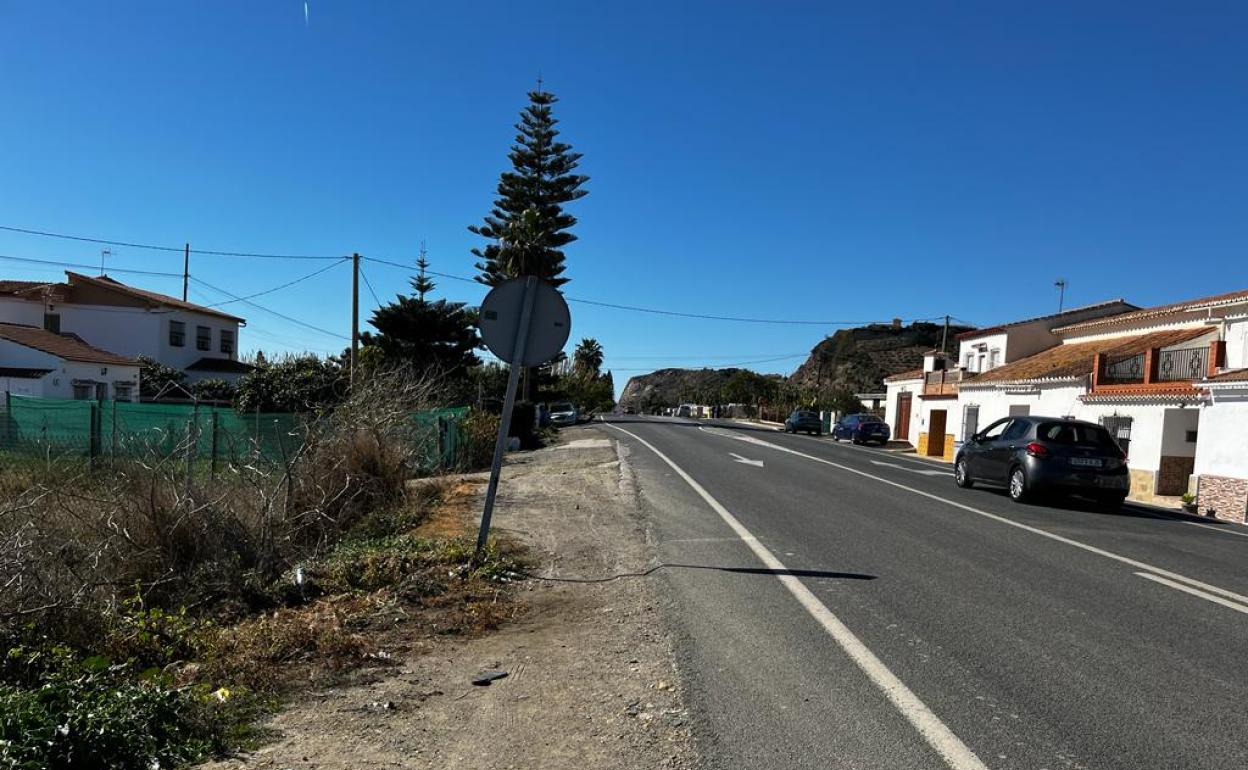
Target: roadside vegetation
x=148, y=618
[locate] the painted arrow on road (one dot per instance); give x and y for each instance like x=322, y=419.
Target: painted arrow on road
x=924, y=471
x=738, y=458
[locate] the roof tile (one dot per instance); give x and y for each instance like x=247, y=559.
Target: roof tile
x=65, y=346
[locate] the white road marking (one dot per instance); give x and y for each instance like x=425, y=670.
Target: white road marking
x=937, y=734
x=1002, y=519
x=924, y=471
x=1217, y=529
x=738, y=458
x=1194, y=592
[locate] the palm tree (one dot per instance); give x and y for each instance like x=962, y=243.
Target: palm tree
x=588, y=357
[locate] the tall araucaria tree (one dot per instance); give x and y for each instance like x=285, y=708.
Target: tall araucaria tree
x=528, y=227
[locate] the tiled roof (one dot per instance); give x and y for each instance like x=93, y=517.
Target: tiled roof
x=1232, y=375
x=16, y=287
x=913, y=374
x=1075, y=359
x=65, y=346
x=21, y=373
x=225, y=365
x=1063, y=314
x=1230, y=298
x=150, y=296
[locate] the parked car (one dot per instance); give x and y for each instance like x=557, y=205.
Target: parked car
x=861, y=429
x=805, y=421
x=684, y=410
x=563, y=413
x=1031, y=455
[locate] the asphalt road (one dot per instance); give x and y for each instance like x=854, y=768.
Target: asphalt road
x=845, y=607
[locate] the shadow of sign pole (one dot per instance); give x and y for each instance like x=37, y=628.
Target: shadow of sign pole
x=525, y=322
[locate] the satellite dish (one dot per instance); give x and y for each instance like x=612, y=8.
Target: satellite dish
x=550, y=322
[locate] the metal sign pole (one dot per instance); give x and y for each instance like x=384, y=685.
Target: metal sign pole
x=509, y=402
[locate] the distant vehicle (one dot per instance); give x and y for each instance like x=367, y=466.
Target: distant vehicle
x=1031, y=455
x=861, y=429
x=563, y=413
x=684, y=410
x=805, y=421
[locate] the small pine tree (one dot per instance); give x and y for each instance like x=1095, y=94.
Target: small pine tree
x=527, y=226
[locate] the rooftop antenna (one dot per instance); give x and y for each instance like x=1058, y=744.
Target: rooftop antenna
x=1060, y=283
x=104, y=253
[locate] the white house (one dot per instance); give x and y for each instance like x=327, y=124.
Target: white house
x=129, y=321
x=1140, y=373
x=1221, y=466
x=982, y=349
x=37, y=362
x=900, y=390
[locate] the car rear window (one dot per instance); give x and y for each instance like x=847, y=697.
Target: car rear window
x=564, y=407
x=807, y=416
x=870, y=418
x=1073, y=434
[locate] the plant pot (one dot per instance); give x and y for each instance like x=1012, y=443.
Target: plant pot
x=1189, y=507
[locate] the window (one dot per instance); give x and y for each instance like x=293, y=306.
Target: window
x=52, y=322
x=203, y=338
x=83, y=391
x=122, y=391
x=970, y=421
x=966, y=361
x=1190, y=437
x=1076, y=434
x=994, y=358
x=1017, y=430
x=227, y=342
x=1120, y=429
x=177, y=334
x=995, y=430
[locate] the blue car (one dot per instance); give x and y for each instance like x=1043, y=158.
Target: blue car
x=861, y=429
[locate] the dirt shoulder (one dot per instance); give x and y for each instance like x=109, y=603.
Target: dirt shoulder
x=591, y=678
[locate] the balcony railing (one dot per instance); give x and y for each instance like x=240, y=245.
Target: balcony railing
x=1156, y=368
x=1182, y=364
x=942, y=383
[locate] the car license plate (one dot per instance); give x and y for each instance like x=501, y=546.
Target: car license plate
x=1087, y=462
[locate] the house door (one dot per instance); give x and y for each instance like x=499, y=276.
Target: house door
x=901, y=431
x=936, y=433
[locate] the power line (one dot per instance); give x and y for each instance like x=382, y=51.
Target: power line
x=286, y=285
x=772, y=359
x=81, y=266
x=370, y=287
x=154, y=247
x=283, y=316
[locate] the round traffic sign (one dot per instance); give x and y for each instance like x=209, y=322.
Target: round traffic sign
x=550, y=322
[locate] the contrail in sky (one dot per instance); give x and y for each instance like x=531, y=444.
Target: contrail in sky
x=305, y=13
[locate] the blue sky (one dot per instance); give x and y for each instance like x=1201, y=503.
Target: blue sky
x=816, y=161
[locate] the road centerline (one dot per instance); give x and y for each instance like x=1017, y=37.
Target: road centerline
x=956, y=754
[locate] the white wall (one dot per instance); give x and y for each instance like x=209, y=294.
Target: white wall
x=21, y=386
x=1175, y=425
x=20, y=356
x=998, y=341
x=1222, y=448
x=1237, y=343
x=1055, y=400
x=914, y=387
x=20, y=311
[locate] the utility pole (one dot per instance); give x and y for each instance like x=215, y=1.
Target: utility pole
x=355, y=313
x=1061, y=296
x=944, y=337
x=186, y=269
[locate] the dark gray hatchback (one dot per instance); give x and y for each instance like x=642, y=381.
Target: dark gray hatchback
x=1031, y=455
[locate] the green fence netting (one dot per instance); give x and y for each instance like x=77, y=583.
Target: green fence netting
x=55, y=427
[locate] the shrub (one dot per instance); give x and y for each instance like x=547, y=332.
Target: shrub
x=481, y=432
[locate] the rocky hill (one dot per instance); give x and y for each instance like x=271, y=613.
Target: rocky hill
x=861, y=358
x=857, y=358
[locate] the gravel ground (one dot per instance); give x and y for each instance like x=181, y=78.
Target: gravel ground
x=591, y=680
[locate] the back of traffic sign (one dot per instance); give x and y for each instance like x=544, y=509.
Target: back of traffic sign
x=549, y=327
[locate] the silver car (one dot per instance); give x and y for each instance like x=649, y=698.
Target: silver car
x=564, y=413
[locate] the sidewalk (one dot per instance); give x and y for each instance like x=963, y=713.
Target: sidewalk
x=590, y=668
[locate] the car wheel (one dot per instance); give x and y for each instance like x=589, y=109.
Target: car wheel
x=835, y=437
x=962, y=474
x=1018, y=484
